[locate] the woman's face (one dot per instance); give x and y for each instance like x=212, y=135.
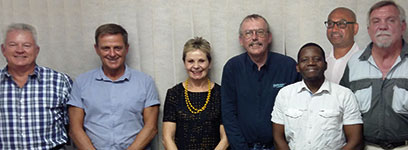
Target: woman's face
x=197, y=64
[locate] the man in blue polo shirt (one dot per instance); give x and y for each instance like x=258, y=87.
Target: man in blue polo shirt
x=113, y=107
x=250, y=83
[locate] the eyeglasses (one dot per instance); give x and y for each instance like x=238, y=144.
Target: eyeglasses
x=341, y=24
x=260, y=33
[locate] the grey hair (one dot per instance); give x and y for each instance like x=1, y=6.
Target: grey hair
x=23, y=27
x=387, y=3
x=253, y=16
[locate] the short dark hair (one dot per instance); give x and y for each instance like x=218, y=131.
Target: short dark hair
x=111, y=29
x=312, y=44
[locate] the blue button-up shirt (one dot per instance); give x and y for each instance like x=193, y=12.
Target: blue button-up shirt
x=34, y=116
x=248, y=96
x=113, y=109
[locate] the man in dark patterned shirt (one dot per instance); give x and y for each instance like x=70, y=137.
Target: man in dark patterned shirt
x=33, y=111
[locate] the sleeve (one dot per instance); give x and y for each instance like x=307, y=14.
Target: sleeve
x=75, y=96
x=228, y=109
x=67, y=92
x=152, y=97
x=170, y=106
x=277, y=112
x=352, y=113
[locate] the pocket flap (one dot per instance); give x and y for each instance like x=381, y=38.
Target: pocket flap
x=329, y=113
x=293, y=113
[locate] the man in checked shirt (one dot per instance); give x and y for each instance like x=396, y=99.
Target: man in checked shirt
x=33, y=111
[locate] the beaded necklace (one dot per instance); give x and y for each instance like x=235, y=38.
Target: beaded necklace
x=190, y=107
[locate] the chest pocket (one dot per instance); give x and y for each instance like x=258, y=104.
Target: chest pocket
x=330, y=119
x=400, y=97
x=293, y=117
x=363, y=92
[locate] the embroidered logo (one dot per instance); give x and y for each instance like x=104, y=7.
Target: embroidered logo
x=278, y=85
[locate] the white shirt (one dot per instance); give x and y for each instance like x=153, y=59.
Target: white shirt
x=335, y=67
x=315, y=121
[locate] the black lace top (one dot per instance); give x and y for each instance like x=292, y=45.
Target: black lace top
x=194, y=131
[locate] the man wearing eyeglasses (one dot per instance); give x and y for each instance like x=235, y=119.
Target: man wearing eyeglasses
x=341, y=28
x=250, y=83
x=378, y=76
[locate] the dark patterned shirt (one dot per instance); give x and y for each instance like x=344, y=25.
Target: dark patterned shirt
x=194, y=131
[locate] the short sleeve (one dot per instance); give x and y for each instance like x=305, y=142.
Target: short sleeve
x=152, y=97
x=170, y=106
x=352, y=113
x=75, y=97
x=277, y=112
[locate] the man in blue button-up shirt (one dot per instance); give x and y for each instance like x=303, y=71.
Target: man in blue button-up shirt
x=113, y=107
x=250, y=82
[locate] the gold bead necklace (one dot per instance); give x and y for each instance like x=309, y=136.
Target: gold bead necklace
x=191, y=107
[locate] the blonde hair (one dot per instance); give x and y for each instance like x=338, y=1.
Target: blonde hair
x=197, y=43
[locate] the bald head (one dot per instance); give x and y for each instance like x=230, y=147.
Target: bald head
x=342, y=37
x=347, y=13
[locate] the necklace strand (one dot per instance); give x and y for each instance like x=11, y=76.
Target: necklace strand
x=190, y=107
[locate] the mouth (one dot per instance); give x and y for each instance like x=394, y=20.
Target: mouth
x=336, y=35
x=255, y=44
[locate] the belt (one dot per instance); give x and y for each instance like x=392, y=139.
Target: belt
x=388, y=145
x=58, y=147
x=260, y=145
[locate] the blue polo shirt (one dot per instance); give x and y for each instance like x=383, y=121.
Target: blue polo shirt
x=113, y=109
x=248, y=96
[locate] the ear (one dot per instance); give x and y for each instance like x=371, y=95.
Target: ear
x=96, y=49
x=3, y=49
x=269, y=37
x=355, y=27
x=126, y=49
x=297, y=68
x=404, y=26
x=241, y=40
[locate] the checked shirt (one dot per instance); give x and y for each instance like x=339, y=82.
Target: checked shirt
x=34, y=116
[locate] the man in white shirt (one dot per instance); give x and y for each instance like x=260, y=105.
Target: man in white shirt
x=315, y=113
x=341, y=28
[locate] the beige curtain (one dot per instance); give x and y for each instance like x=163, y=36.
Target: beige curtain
x=158, y=30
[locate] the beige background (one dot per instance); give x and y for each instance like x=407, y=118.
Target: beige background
x=158, y=30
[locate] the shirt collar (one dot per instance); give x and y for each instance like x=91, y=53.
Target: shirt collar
x=253, y=65
x=100, y=76
x=4, y=73
x=367, y=52
x=324, y=88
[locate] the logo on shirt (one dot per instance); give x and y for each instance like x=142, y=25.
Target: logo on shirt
x=278, y=85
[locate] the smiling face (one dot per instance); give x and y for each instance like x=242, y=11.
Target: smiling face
x=112, y=50
x=385, y=27
x=255, y=44
x=197, y=64
x=340, y=37
x=311, y=63
x=20, y=49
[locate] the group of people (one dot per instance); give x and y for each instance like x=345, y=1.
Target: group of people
x=265, y=101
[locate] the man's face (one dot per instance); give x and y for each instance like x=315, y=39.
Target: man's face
x=255, y=37
x=311, y=64
x=20, y=49
x=385, y=27
x=341, y=37
x=112, y=51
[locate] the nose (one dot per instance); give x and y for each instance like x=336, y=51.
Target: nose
x=254, y=36
x=383, y=26
x=335, y=27
x=111, y=52
x=20, y=48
